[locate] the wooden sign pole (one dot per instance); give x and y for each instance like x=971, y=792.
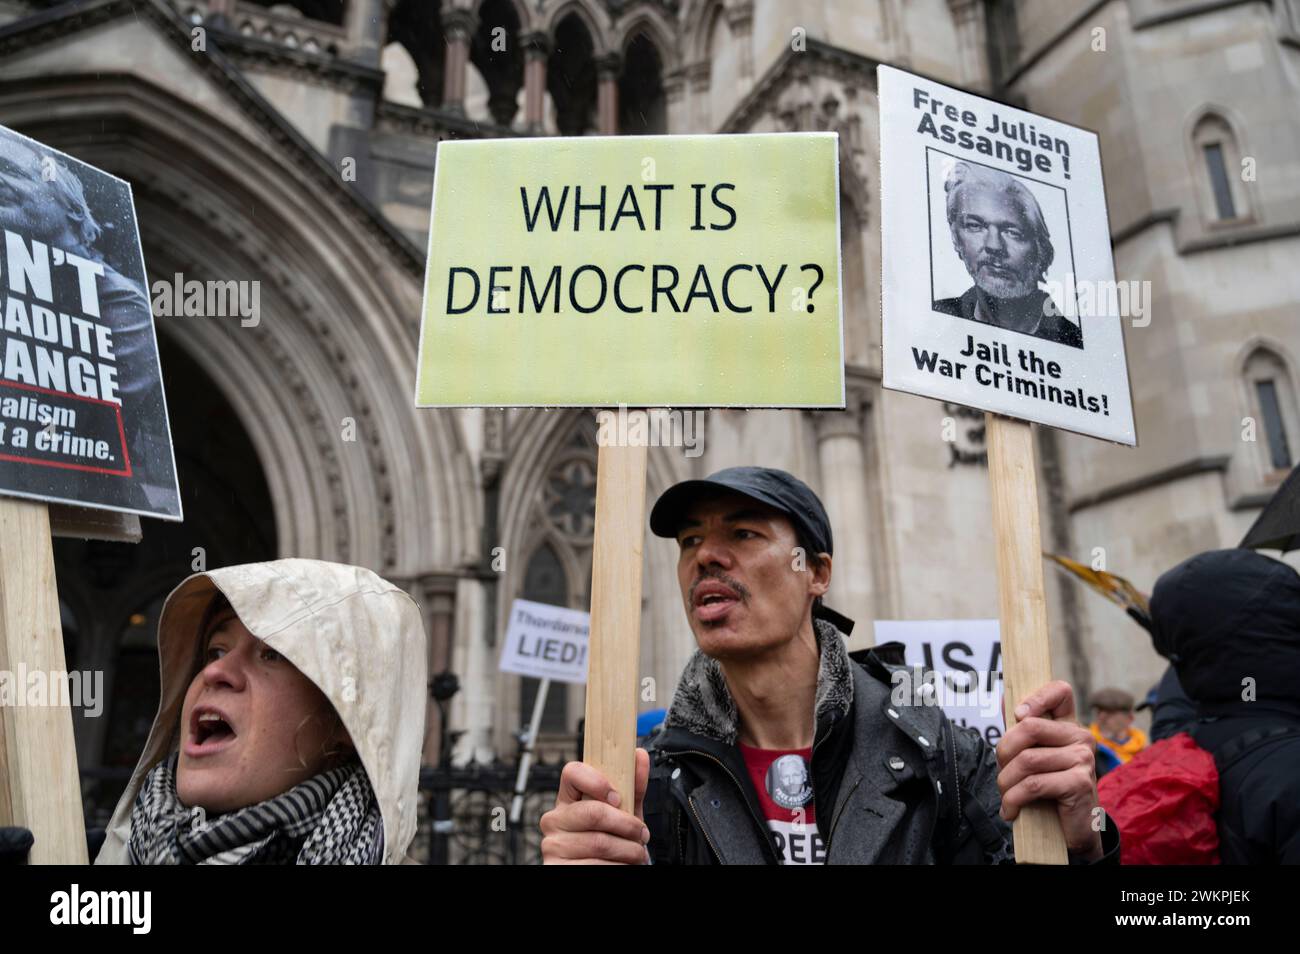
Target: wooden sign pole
x=39, y=785
x=614, y=649
x=1026, y=653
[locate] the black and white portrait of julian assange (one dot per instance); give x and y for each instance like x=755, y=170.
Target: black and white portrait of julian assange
x=1000, y=235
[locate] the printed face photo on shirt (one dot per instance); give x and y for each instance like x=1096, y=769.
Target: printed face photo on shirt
x=787, y=782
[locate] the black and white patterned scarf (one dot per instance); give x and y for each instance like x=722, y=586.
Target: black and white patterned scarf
x=332, y=818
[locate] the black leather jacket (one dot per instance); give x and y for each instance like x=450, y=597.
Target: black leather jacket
x=894, y=784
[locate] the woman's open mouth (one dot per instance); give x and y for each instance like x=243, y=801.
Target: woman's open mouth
x=210, y=732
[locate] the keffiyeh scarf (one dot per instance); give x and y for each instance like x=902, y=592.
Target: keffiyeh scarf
x=332, y=818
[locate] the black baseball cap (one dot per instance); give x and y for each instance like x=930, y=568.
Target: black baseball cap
x=776, y=488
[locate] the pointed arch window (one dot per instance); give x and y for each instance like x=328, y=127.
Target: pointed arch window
x=1273, y=405
x=558, y=571
x=642, y=104
x=1220, y=171
x=545, y=582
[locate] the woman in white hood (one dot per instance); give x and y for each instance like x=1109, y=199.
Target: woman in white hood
x=290, y=726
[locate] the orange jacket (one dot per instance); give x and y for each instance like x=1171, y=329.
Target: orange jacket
x=1135, y=743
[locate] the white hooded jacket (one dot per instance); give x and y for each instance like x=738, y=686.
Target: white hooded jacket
x=359, y=638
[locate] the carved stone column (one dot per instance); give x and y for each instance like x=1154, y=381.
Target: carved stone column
x=841, y=454
x=473, y=708
x=740, y=18
x=367, y=25
x=435, y=594
x=972, y=41
x=458, y=26
x=697, y=79
x=537, y=47
x=607, y=70
x=676, y=103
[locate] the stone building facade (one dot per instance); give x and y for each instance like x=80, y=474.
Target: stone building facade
x=294, y=144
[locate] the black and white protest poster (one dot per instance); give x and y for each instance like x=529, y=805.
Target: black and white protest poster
x=83, y=419
x=955, y=664
x=998, y=279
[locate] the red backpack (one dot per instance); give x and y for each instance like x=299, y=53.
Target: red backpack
x=1164, y=801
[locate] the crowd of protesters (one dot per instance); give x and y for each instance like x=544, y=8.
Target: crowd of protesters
x=290, y=724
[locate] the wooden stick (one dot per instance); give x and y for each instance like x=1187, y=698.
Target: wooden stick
x=39, y=785
x=614, y=652
x=1026, y=653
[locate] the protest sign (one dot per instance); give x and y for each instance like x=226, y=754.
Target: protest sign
x=998, y=282
x=548, y=642
x=83, y=424
x=83, y=420
x=647, y=271
x=963, y=657
x=655, y=271
x=998, y=292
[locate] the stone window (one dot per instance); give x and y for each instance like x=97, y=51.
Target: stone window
x=1223, y=204
x=1220, y=172
x=1273, y=406
x=558, y=570
x=642, y=106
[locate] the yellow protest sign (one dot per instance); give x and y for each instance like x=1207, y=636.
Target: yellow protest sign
x=648, y=271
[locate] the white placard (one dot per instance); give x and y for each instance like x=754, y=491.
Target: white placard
x=965, y=656
x=549, y=642
x=998, y=282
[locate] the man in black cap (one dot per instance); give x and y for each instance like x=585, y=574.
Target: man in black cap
x=778, y=748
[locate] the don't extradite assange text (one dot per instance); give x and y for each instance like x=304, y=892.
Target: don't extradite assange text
x=47, y=351
x=82, y=413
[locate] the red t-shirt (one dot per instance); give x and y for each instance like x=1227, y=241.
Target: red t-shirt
x=783, y=780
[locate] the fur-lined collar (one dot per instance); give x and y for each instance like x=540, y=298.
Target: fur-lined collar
x=703, y=705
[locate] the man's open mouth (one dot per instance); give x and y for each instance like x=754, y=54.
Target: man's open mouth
x=210, y=731
x=713, y=600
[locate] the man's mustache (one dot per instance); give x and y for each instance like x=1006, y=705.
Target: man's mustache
x=736, y=585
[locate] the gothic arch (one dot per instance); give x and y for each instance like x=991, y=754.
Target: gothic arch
x=658, y=30
x=522, y=11
x=1212, y=123
x=697, y=25
x=1266, y=347
x=1263, y=358
x=536, y=439
x=593, y=17
x=337, y=337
